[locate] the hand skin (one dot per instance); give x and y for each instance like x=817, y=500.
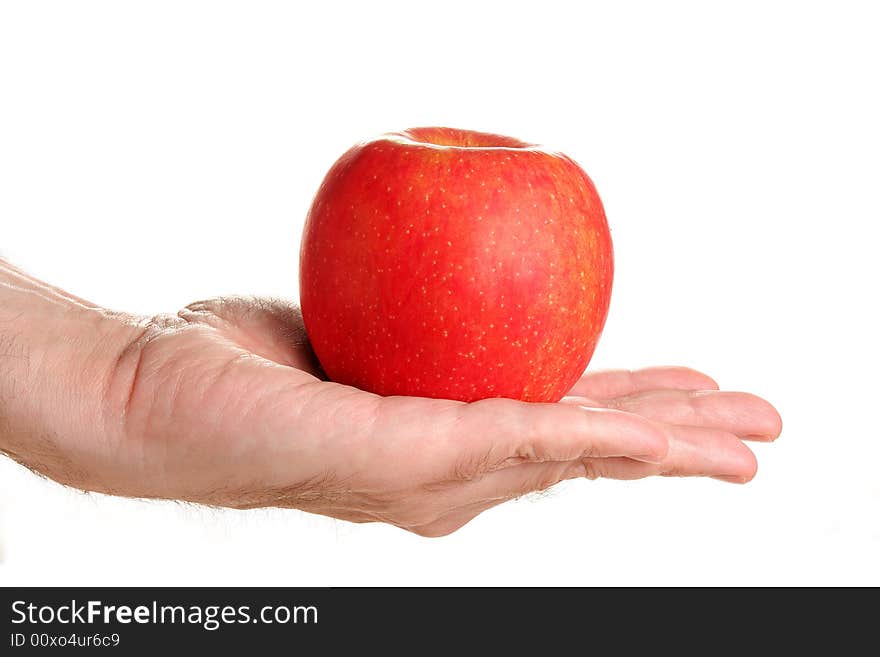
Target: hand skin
x=224, y=404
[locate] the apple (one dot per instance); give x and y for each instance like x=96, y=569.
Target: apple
x=455, y=264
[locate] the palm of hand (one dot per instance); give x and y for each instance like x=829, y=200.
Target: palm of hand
x=224, y=404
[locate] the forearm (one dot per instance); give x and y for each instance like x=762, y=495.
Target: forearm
x=53, y=347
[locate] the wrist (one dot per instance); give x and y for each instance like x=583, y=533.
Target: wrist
x=53, y=347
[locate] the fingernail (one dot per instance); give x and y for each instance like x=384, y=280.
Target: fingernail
x=759, y=437
x=730, y=479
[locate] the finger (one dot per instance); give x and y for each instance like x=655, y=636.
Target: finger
x=740, y=413
x=512, y=432
x=693, y=452
x=616, y=383
x=412, y=441
x=267, y=326
x=700, y=452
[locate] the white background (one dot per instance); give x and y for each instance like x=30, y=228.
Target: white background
x=152, y=154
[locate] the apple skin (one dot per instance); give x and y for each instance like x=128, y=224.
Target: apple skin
x=455, y=264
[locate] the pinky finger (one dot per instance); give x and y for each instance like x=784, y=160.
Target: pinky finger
x=625, y=469
x=617, y=468
x=693, y=452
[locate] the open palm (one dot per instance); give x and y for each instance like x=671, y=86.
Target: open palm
x=225, y=404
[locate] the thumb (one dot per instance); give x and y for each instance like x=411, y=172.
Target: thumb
x=267, y=326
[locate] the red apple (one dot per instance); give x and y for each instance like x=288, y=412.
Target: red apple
x=456, y=264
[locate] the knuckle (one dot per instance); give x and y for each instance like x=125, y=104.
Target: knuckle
x=529, y=452
x=592, y=469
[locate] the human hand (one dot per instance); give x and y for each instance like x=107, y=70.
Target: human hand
x=224, y=404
